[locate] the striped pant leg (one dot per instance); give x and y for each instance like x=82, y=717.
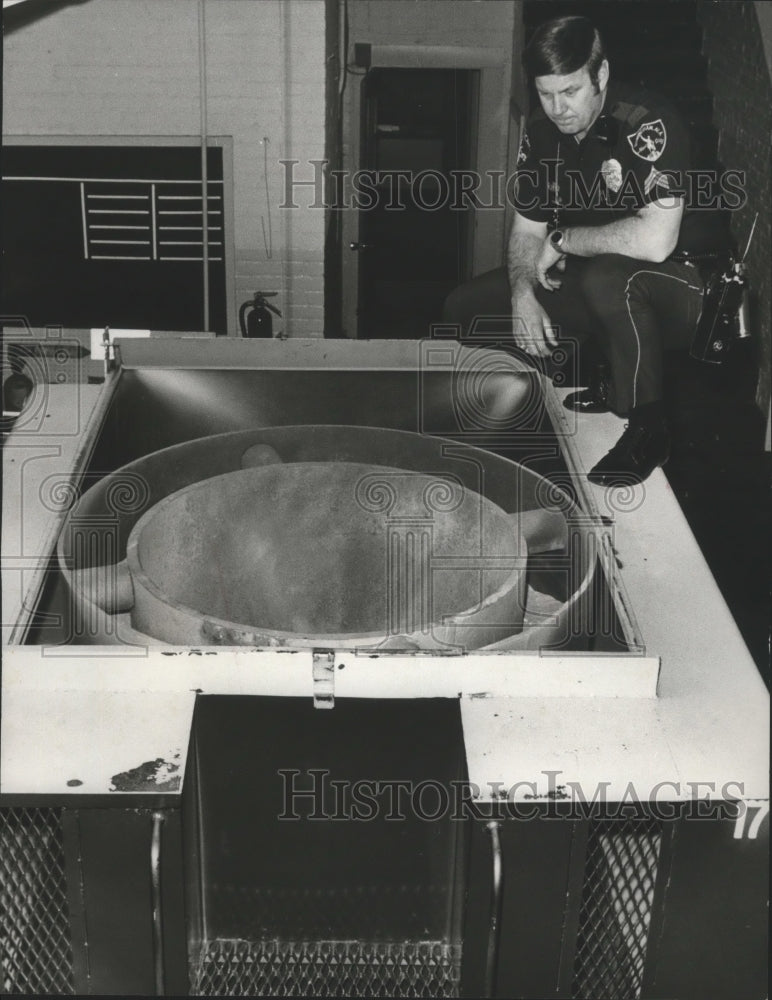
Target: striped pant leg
x=642, y=309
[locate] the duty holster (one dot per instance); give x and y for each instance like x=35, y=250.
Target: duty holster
x=723, y=318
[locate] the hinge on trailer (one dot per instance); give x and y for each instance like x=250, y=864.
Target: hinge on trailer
x=324, y=679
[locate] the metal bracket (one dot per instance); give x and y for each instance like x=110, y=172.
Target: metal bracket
x=109, y=346
x=494, y=926
x=159, y=816
x=324, y=678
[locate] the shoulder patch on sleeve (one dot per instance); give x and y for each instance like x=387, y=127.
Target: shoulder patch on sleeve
x=649, y=141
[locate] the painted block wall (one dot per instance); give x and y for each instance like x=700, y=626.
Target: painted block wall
x=131, y=67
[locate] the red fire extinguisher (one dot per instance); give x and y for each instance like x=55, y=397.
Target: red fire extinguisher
x=255, y=317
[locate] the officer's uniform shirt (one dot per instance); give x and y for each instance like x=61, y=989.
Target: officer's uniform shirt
x=637, y=151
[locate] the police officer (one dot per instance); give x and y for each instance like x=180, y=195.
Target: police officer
x=599, y=245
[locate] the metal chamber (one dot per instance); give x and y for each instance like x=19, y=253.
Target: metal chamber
x=490, y=419
x=318, y=482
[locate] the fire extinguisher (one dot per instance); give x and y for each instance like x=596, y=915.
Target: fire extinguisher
x=258, y=322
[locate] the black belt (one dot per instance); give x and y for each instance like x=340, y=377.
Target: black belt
x=704, y=257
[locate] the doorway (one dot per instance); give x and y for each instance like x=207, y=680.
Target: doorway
x=414, y=241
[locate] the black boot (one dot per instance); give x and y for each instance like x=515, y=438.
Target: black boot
x=593, y=399
x=642, y=448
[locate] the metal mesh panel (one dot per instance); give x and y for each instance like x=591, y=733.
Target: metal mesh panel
x=619, y=879
x=327, y=968
x=34, y=917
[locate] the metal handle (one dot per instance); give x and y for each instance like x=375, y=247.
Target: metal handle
x=543, y=530
x=494, y=927
x=324, y=678
x=361, y=246
x=109, y=587
x=158, y=922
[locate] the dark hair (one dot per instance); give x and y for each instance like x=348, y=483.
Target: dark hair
x=562, y=46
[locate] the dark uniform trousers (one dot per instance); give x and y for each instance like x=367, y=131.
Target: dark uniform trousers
x=625, y=311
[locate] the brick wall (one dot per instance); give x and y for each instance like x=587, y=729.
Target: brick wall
x=131, y=67
x=740, y=81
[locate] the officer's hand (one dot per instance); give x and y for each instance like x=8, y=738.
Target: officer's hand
x=548, y=257
x=532, y=329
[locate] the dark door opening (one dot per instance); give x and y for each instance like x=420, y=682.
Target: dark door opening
x=309, y=874
x=413, y=244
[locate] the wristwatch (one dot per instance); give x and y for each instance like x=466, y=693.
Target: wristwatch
x=556, y=238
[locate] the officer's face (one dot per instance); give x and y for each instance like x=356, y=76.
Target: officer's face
x=573, y=102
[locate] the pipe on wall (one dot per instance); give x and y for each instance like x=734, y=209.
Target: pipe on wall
x=204, y=144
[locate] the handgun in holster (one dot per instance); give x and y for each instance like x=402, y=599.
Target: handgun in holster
x=724, y=316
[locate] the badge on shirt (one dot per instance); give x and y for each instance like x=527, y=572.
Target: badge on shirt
x=612, y=174
x=649, y=141
x=525, y=148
